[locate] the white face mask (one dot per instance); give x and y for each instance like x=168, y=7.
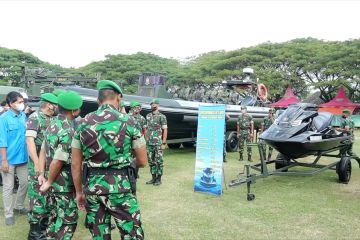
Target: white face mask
x=20, y=107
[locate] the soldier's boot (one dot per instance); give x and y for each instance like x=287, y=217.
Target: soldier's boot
x=36, y=232
x=152, y=181
x=158, y=181
x=241, y=157
x=249, y=158
x=269, y=157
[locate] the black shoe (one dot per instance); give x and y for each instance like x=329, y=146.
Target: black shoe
x=152, y=181
x=36, y=233
x=22, y=211
x=157, y=181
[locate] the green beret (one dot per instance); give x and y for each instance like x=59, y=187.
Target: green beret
x=49, y=97
x=70, y=100
x=155, y=100
x=134, y=104
x=57, y=92
x=346, y=111
x=122, y=103
x=107, y=84
x=243, y=107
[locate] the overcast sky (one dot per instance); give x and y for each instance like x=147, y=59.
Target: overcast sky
x=74, y=33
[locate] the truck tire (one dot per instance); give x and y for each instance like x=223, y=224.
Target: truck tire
x=343, y=169
x=174, y=145
x=231, y=141
x=281, y=161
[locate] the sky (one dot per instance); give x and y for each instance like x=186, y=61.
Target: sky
x=75, y=33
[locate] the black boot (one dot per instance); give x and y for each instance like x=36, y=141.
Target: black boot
x=249, y=158
x=158, y=181
x=152, y=181
x=241, y=158
x=36, y=233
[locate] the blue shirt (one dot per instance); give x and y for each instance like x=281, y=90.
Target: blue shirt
x=12, y=137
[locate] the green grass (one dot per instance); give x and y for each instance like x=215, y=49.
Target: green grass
x=285, y=207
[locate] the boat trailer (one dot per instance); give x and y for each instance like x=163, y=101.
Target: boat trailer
x=283, y=164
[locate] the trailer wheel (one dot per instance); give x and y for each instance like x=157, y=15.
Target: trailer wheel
x=281, y=161
x=250, y=197
x=343, y=169
x=174, y=145
x=188, y=144
x=231, y=141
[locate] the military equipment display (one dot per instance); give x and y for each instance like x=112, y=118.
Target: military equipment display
x=299, y=132
x=181, y=114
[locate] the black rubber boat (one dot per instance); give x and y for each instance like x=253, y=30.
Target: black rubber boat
x=301, y=131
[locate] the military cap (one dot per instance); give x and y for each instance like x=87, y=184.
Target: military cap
x=122, y=103
x=49, y=97
x=70, y=100
x=243, y=107
x=155, y=100
x=57, y=92
x=346, y=111
x=107, y=84
x=134, y=104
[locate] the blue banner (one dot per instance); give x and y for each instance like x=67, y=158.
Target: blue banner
x=210, y=149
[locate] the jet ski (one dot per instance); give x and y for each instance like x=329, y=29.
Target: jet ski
x=301, y=131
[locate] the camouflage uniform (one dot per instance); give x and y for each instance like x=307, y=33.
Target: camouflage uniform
x=244, y=122
x=35, y=127
x=64, y=211
x=106, y=137
x=267, y=122
x=155, y=122
x=140, y=121
x=348, y=122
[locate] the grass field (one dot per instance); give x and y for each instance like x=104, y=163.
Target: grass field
x=285, y=207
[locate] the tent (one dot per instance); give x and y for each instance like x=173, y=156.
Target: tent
x=286, y=100
x=338, y=103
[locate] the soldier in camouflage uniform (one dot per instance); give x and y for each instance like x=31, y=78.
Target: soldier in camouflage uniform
x=347, y=126
x=35, y=127
x=140, y=121
x=156, y=141
x=59, y=184
x=104, y=141
x=267, y=122
x=245, y=130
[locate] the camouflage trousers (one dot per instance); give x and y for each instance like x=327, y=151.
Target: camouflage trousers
x=155, y=158
x=263, y=147
x=242, y=140
x=64, y=215
x=37, y=202
x=123, y=207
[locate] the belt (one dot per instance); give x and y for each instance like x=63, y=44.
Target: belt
x=106, y=171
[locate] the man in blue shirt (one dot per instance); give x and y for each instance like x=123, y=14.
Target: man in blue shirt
x=14, y=155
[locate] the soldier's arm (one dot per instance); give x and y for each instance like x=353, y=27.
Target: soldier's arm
x=30, y=143
x=54, y=171
x=42, y=156
x=77, y=159
x=139, y=146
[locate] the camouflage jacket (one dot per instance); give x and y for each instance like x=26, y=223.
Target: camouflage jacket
x=57, y=145
x=267, y=122
x=140, y=122
x=155, y=122
x=244, y=122
x=348, y=122
x=106, y=138
x=35, y=127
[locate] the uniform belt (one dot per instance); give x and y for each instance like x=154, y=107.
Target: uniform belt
x=106, y=171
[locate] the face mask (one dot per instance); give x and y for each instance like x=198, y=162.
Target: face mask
x=19, y=107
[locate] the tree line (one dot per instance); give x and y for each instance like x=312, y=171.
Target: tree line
x=306, y=64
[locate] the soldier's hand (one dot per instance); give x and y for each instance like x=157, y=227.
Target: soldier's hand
x=41, y=180
x=162, y=146
x=45, y=186
x=80, y=199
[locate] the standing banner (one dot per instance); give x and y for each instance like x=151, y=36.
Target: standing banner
x=210, y=149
